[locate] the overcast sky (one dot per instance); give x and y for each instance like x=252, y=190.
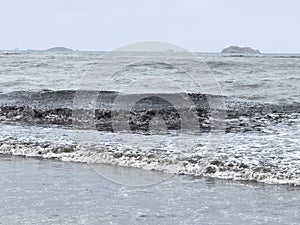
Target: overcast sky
x=197, y=25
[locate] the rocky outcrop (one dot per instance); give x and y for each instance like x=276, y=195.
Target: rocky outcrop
x=240, y=50
x=59, y=49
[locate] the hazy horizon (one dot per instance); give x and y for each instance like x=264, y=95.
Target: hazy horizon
x=96, y=50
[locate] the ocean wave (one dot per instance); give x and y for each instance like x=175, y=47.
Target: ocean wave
x=175, y=163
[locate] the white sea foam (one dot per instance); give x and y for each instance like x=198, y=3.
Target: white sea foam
x=260, y=157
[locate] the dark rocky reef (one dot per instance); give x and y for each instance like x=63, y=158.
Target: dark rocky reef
x=56, y=107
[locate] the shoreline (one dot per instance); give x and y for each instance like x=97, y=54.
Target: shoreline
x=254, y=183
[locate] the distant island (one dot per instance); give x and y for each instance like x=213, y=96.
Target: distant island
x=59, y=49
x=240, y=50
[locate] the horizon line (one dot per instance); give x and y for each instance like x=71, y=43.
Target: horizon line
x=81, y=50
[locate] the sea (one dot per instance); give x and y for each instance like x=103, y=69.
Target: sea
x=57, y=168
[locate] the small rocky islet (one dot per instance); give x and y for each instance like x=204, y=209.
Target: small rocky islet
x=240, y=50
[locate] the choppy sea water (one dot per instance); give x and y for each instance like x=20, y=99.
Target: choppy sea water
x=270, y=78
x=260, y=143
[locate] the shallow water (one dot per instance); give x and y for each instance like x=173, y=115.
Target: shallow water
x=51, y=192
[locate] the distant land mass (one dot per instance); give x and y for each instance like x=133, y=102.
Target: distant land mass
x=59, y=49
x=240, y=50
